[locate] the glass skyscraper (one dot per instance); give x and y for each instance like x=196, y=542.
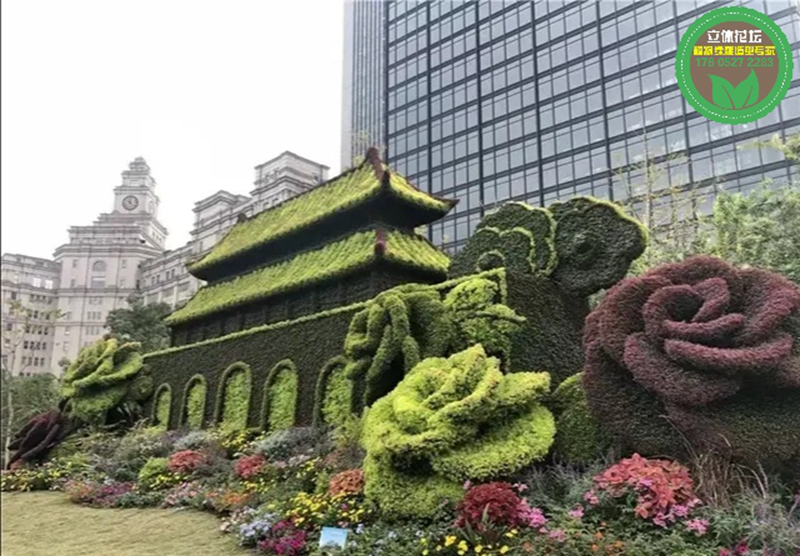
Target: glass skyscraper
x=538, y=101
x=363, y=78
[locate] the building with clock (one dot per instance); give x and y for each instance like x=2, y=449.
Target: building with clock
x=123, y=252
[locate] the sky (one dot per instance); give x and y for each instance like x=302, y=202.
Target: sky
x=203, y=90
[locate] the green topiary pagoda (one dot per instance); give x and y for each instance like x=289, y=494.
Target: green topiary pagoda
x=312, y=262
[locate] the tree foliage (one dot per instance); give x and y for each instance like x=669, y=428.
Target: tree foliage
x=140, y=323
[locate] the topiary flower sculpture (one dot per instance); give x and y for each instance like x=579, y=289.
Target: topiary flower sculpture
x=103, y=376
x=701, y=351
x=406, y=324
x=396, y=330
x=448, y=421
x=38, y=436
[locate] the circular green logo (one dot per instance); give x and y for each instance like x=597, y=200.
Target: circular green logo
x=734, y=65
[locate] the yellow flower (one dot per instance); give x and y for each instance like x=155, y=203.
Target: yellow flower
x=503, y=549
x=450, y=539
x=478, y=549
x=425, y=552
x=463, y=546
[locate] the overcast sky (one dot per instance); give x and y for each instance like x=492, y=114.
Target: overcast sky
x=203, y=90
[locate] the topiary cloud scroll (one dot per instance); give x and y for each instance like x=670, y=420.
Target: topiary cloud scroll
x=450, y=420
x=699, y=351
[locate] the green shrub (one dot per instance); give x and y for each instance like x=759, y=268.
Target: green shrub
x=337, y=397
x=282, y=445
x=282, y=392
x=233, y=399
x=162, y=406
x=480, y=319
x=195, y=402
x=448, y=421
x=155, y=475
x=579, y=438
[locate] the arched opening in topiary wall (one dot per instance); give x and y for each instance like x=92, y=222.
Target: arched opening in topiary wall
x=280, y=397
x=233, y=397
x=194, y=402
x=334, y=394
x=162, y=406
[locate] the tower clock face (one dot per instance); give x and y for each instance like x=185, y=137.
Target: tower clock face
x=130, y=202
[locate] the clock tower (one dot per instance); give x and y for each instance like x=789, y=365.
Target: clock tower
x=136, y=195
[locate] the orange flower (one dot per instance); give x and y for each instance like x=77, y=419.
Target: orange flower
x=598, y=536
x=595, y=548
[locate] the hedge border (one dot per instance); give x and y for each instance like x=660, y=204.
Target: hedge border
x=281, y=365
x=224, y=378
x=182, y=416
x=156, y=395
x=322, y=383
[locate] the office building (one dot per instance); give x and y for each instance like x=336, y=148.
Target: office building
x=363, y=79
x=537, y=101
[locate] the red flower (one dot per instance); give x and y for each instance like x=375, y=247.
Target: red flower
x=350, y=482
x=187, y=461
x=498, y=502
x=248, y=467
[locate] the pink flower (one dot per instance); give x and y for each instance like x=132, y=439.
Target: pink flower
x=558, y=535
x=680, y=511
x=591, y=498
x=533, y=517
x=724, y=552
x=467, y=484
x=741, y=548
x=576, y=513
x=698, y=526
x=520, y=487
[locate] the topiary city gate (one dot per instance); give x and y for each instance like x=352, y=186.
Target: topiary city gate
x=338, y=274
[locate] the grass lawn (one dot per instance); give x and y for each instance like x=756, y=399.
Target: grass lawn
x=44, y=523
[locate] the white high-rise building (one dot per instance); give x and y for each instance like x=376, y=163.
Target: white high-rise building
x=122, y=252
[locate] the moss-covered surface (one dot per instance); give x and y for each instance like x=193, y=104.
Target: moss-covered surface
x=451, y=420
x=300, y=213
x=579, y=437
x=233, y=397
x=194, y=404
x=334, y=394
x=332, y=261
x=549, y=340
x=162, y=407
x=281, y=397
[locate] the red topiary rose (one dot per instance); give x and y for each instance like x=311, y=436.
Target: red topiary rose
x=698, y=350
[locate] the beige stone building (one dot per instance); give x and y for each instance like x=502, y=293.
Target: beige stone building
x=122, y=252
x=28, y=335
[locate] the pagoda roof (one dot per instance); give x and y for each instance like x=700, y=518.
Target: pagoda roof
x=351, y=190
x=334, y=260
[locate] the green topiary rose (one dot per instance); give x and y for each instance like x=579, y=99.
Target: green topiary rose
x=448, y=421
x=102, y=377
